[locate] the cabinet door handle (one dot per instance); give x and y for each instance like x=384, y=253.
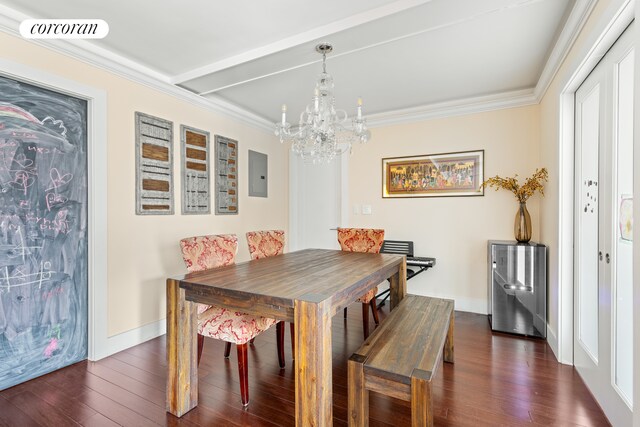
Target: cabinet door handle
x=608, y=258
x=600, y=255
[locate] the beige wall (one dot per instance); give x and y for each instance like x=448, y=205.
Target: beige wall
x=454, y=230
x=143, y=250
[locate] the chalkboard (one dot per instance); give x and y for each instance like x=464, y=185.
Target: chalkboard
x=43, y=231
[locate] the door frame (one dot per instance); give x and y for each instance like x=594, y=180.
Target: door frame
x=294, y=199
x=600, y=43
x=98, y=345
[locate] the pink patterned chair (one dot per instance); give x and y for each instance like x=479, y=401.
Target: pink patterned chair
x=366, y=240
x=207, y=252
x=263, y=244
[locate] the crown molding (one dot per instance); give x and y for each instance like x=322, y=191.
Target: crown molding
x=575, y=22
x=102, y=58
x=459, y=107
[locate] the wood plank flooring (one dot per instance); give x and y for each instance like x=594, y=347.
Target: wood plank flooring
x=497, y=380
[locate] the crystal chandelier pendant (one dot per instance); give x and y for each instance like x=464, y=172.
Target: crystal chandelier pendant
x=323, y=130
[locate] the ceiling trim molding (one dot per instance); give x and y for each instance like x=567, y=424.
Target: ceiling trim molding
x=102, y=58
x=519, y=98
x=575, y=22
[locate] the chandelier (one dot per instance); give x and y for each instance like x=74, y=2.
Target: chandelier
x=323, y=131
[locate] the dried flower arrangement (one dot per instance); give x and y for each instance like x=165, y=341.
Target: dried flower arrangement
x=522, y=192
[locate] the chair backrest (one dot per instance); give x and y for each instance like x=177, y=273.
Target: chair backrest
x=266, y=243
x=205, y=252
x=360, y=239
x=400, y=247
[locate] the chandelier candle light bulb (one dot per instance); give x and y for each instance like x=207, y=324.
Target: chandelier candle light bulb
x=323, y=132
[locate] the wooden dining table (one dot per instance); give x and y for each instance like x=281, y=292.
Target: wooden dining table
x=307, y=287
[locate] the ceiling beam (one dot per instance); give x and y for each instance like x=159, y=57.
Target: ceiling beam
x=298, y=39
x=286, y=67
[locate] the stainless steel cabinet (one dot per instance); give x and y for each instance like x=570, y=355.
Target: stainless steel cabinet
x=517, y=276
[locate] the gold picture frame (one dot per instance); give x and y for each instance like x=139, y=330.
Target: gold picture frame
x=434, y=175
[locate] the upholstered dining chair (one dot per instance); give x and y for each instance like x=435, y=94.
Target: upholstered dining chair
x=214, y=251
x=367, y=240
x=263, y=244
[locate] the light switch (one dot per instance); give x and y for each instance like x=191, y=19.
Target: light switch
x=366, y=209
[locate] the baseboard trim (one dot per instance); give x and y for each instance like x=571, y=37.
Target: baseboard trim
x=134, y=337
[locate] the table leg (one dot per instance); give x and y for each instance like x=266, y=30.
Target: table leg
x=398, y=285
x=448, y=343
x=314, y=404
x=182, y=378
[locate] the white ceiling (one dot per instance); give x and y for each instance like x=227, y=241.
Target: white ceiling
x=402, y=55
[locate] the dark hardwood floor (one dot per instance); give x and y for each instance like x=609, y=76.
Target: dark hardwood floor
x=497, y=380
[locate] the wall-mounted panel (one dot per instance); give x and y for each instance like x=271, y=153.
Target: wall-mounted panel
x=258, y=174
x=195, y=171
x=154, y=160
x=226, y=176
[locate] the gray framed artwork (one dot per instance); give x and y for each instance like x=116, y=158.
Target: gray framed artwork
x=195, y=171
x=226, y=155
x=154, y=165
x=258, y=174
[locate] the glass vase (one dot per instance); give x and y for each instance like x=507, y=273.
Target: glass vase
x=522, y=226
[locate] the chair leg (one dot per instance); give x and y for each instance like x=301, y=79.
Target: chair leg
x=280, y=343
x=251, y=341
x=365, y=319
x=374, y=310
x=227, y=350
x=243, y=370
x=345, y=312
x=200, y=347
x=293, y=340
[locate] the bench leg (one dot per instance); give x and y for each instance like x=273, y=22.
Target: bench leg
x=421, y=403
x=448, y=344
x=358, y=395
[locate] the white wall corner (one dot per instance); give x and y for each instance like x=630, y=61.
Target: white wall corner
x=552, y=340
x=574, y=24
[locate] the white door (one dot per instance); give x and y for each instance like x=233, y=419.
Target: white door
x=603, y=336
x=318, y=202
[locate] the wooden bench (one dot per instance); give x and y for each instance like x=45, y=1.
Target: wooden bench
x=401, y=357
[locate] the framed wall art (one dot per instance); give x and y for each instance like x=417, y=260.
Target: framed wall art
x=434, y=175
x=154, y=165
x=226, y=152
x=195, y=171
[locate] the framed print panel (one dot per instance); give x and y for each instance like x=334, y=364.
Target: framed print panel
x=195, y=171
x=434, y=175
x=154, y=165
x=226, y=152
